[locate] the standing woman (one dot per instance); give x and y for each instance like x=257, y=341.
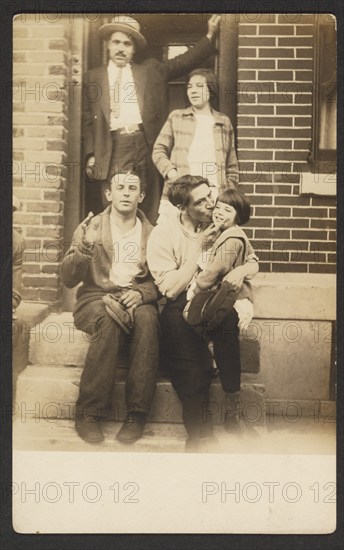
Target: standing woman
x=197, y=140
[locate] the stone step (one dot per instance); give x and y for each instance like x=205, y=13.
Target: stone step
x=28, y=315
x=160, y=438
x=55, y=342
x=277, y=437
x=60, y=435
x=51, y=393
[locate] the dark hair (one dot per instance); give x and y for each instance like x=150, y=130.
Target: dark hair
x=179, y=192
x=239, y=201
x=129, y=170
x=211, y=81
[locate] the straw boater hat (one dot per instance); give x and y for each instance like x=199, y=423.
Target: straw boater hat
x=126, y=24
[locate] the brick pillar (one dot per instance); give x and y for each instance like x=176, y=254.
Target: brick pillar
x=227, y=66
x=40, y=130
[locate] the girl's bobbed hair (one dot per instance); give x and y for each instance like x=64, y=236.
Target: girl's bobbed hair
x=239, y=201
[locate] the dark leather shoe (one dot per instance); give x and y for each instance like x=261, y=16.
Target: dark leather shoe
x=88, y=429
x=132, y=428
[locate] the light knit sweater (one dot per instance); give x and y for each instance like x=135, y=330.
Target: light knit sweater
x=172, y=253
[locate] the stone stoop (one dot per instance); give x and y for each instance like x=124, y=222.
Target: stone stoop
x=288, y=362
x=51, y=393
x=56, y=342
x=277, y=437
x=60, y=435
x=157, y=437
x=48, y=387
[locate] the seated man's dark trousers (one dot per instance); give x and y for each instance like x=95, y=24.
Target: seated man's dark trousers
x=227, y=352
x=107, y=339
x=189, y=363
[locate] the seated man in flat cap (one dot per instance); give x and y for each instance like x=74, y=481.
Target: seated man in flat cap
x=125, y=104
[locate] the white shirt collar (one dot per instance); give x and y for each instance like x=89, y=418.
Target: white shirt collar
x=113, y=65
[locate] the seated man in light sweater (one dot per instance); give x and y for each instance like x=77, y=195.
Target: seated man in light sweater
x=173, y=250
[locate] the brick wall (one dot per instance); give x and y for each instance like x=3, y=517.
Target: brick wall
x=275, y=82
x=40, y=130
x=275, y=73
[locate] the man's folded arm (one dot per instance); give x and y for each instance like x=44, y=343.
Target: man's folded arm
x=170, y=278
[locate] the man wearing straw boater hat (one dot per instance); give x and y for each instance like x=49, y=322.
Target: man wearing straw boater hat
x=125, y=104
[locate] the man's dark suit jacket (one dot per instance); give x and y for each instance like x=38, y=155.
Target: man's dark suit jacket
x=151, y=78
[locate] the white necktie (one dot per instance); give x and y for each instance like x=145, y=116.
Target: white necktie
x=116, y=94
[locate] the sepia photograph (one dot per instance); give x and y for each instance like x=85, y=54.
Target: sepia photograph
x=174, y=272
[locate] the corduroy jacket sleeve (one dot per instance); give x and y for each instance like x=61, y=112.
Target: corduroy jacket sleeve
x=91, y=263
x=76, y=261
x=148, y=290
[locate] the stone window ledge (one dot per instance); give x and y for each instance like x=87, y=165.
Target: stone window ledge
x=318, y=184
